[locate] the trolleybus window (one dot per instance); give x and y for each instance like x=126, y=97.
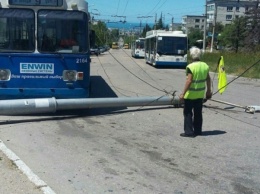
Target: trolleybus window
x=62, y=31
x=17, y=30
x=140, y=44
x=172, y=45
x=36, y=2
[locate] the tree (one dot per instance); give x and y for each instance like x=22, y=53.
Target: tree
x=218, y=28
x=194, y=35
x=159, y=25
x=114, y=35
x=101, y=33
x=234, y=34
x=146, y=29
x=252, y=41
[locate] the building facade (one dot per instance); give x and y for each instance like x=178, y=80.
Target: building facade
x=192, y=21
x=221, y=11
x=225, y=11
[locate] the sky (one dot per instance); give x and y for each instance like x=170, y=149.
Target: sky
x=144, y=10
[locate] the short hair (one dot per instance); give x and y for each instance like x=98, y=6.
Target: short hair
x=195, y=53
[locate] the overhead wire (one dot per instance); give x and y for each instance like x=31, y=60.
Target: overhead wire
x=141, y=68
x=125, y=7
x=117, y=7
x=138, y=77
x=116, y=88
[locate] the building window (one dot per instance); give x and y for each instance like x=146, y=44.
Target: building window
x=211, y=7
x=197, y=20
x=211, y=16
x=229, y=8
x=228, y=17
x=197, y=26
x=237, y=8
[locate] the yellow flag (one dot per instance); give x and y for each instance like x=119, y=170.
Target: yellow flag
x=222, y=78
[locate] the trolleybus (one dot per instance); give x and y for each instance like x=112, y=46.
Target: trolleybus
x=166, y=48
x=138, y=48
x=44, y=49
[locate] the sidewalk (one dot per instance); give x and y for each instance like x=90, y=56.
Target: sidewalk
x=12, y=180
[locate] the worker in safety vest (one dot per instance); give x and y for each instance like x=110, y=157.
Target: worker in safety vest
x=197, y=81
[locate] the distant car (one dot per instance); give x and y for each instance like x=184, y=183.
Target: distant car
x=94, y=51
x=101, y=49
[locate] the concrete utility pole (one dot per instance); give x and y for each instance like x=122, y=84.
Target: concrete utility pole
x=172, y=20
x=205, y=27
x=155, y=21
x=48, y=105
x=214, y=25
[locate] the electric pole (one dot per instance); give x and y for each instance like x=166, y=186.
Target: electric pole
x=205, y=27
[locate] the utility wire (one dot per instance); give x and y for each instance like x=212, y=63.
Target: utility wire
x=125, y=7
x=138, y=77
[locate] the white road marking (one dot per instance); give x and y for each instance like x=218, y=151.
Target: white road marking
x=25, y=169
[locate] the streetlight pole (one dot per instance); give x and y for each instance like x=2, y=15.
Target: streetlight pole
x=172, y=20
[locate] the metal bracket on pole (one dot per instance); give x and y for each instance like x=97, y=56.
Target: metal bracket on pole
x=248, y=109
x=252, y=109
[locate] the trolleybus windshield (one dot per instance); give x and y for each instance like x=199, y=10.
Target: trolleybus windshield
x=17, y=30
x=140, y=44
x=62, y=31
x=172, y=45
x=36, y=2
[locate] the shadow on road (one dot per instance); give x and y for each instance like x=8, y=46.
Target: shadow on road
x=215, y=132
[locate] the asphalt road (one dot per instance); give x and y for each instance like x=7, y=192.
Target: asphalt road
x=138, y=149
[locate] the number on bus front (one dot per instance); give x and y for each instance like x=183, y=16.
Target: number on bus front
x=81, y=60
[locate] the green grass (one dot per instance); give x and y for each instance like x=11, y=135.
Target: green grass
x=235, y=63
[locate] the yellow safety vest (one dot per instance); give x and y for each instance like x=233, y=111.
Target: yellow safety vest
x=197, y=88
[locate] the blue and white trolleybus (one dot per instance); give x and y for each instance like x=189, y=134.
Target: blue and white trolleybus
x=44, y=49
x=137, y=48
x=166, y=48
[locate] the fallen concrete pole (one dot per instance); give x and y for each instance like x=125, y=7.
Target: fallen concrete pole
x=48, y=105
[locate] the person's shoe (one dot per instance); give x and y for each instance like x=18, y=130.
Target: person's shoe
x=187, y=135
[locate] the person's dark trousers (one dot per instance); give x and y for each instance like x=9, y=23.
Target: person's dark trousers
x=193, y=125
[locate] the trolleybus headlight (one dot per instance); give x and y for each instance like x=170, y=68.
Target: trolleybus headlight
x=5, y=74
x=69, y=75
x=185, y=57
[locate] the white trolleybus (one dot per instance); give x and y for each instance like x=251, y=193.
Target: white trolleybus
x=166, y=48
x=44, y=49
x=138, y=48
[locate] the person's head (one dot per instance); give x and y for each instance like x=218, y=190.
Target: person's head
x=195, y=53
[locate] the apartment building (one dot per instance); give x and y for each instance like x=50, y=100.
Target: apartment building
x=224, y=11
x=192, y=21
